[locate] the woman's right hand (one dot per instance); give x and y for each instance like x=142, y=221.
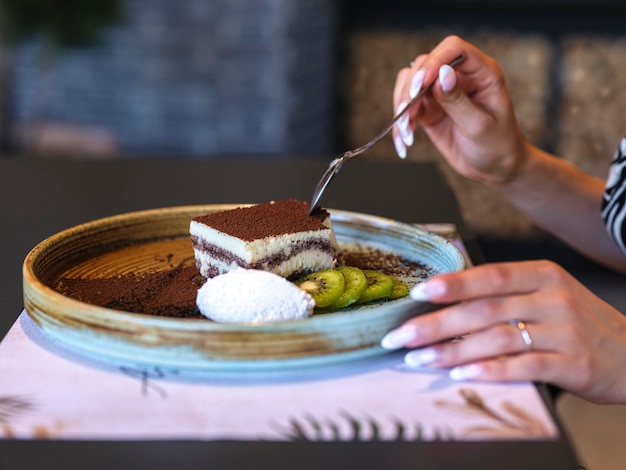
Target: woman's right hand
x=468, y=113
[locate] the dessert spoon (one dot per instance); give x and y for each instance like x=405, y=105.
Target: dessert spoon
x=338, y=162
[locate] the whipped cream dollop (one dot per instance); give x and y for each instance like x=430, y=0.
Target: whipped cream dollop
x=250, y=295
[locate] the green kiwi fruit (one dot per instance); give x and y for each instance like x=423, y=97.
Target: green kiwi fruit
x=379, y=286
x=325, y=286
x=355, y=284
x=400, y=289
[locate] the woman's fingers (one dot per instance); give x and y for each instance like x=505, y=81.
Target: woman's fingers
x=539, y=367
x=471, y=317
x=404, y=90
x=496, y=341
x=499, y=340
x=499, y=354
x=422, y=72
x=484, y=297
x=467, y=114
x=489, y=280
x=408, y=82
x=471, y=119
x=402, y=132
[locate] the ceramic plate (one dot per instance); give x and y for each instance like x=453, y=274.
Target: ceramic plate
x=157, y=239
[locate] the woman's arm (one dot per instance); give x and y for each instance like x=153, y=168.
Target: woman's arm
x=469, y=117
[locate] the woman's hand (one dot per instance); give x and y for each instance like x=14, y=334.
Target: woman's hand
x=578, y=340
x=469, y=117
x=468, y=114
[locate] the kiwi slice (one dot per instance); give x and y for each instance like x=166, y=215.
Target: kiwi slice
x=379, y=286
x=400, y=289
x=325, y=286
x=355, y=284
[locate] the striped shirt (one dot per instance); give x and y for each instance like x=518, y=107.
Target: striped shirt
x=614, y=200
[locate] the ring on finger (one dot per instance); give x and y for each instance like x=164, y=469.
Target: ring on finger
x=523, y=331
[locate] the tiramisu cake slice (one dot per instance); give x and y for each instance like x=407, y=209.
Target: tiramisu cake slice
x=280, y=237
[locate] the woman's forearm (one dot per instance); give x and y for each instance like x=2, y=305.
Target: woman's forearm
x=565, y=201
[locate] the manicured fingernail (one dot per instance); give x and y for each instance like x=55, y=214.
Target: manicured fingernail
x=427, y=290
x=400, y=147
x=403, y=122
x=399, y=337
x=468, y=372
x=403, y=125
x=407, y=137
x=416, y=83
x=420, y=357
x=447, y=78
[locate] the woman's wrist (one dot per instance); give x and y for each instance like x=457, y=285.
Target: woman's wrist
x=515, y=169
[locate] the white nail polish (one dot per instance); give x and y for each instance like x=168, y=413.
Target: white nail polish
x=461, y=373
x=420, y=357
x=447, y=81
x=407, y=137
x=403, y=122
x=416, y=83
x=400, y=147
x=399, y=337
x=403, y=125
x=418, y=293
x=427, y=290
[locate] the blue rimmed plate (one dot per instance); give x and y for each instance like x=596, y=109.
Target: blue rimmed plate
x=156, y=239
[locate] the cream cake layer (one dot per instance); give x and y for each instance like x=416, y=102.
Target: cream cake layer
x=280, y=237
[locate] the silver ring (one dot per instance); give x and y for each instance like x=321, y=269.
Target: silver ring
x=412, y=63
x=521, y=326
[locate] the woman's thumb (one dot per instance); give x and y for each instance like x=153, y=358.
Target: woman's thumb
x=447, y=78
x=457, y=105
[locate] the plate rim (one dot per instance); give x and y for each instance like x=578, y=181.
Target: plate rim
x=189, y=344
x=200, y=323
x=337, y=214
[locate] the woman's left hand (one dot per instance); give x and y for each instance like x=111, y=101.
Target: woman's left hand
x=575, y=340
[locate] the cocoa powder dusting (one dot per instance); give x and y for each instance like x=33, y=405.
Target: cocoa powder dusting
x=169, y=293
x=172, y=293
x=366, y=257
x=264, y=220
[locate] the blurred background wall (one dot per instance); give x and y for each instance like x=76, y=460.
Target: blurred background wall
x=565, y=64
x=287, y=78
x=188, y=78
